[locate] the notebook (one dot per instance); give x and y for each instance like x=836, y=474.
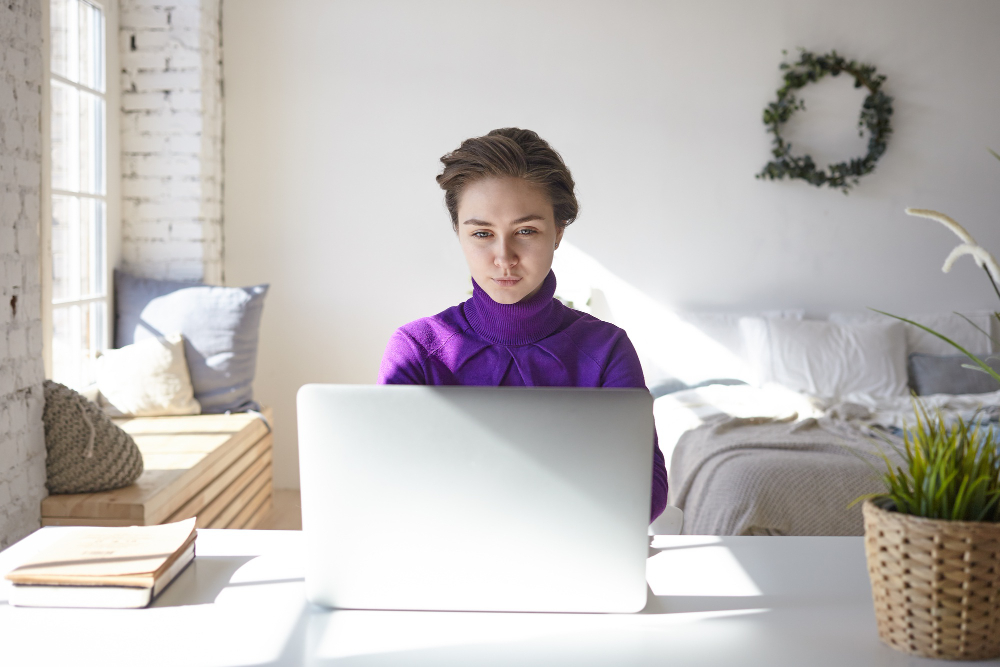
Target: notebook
x=120, y=567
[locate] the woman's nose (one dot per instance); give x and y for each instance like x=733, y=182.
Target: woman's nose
x=505, y=257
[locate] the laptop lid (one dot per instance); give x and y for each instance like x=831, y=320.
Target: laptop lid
x=475, y=498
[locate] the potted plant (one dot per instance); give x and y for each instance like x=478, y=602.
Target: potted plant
x=932, y=540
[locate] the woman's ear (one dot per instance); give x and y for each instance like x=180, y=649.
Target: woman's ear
x=559, y=234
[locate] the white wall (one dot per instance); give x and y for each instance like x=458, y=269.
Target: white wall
x=22, y=437
x=337, y=112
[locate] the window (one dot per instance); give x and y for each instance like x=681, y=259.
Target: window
x=76, y=278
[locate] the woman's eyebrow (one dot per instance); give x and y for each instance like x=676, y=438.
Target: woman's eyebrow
x=483, y=223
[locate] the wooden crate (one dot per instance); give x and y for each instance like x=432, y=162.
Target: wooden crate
x=213, y=467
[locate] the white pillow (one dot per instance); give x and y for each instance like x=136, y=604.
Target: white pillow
x=147, y=379
x=827, y=359
x=698, y=346
x=724, y=328
x=948, y=324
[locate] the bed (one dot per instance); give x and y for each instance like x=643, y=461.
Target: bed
x=786, y=453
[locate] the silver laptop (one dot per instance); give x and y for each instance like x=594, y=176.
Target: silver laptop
x=475, y=498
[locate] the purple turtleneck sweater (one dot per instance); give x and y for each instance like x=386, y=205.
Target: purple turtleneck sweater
x=536, y=342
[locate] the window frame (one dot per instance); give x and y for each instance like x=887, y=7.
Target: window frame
x=112, y=175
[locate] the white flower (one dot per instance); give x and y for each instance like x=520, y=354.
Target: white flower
x=979, y=253
x=982, y=256
x=944, y=220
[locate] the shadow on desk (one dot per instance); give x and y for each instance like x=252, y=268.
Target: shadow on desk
x=201, y=581
x=693, y=604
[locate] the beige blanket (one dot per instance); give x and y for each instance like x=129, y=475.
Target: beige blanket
x=765, y=476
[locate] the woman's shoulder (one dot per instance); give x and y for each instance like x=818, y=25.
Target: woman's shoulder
x=609, y=347
x=581, y=326
x=432, y=332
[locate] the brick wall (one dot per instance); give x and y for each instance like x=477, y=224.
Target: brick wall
x=22, y=440
x=171, y=60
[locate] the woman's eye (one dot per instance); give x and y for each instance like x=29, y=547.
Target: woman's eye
x=481, y=234
x=526, y=232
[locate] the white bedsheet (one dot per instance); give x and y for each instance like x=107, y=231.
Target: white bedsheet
x=678, y=412
x=769, y=461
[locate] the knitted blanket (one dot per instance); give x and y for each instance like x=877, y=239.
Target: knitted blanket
x=765, y=476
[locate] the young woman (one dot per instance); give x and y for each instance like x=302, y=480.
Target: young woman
x=511, y=198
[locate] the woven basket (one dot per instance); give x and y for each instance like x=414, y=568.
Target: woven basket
x=935, y=584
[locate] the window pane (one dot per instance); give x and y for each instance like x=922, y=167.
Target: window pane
x=65, y=232
x=77, y=337
x=93, y=264
x=95, y=330
x=78, y=42
x=63, y=369
x=91, y=144
x=78, y=139
x=65, y=366
x=65, y=137
x=63, y=19
x=91, y=41
x=78, y=241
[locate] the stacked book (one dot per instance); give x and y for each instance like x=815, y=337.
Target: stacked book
x=121, y=567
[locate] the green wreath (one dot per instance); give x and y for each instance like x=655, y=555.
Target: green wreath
x=875, y=113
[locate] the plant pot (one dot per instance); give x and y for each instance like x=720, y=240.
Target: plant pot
x=935, y=584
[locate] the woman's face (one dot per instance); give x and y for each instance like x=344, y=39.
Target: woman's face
x=508, y=233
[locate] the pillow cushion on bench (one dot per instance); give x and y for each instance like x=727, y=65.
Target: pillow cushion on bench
x=220, y=326
x=146, y=379
x=85, y=451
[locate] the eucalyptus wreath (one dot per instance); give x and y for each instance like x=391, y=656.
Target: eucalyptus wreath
x=875, y=113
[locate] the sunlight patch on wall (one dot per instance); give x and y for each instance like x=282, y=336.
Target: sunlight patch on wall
x=668, y=346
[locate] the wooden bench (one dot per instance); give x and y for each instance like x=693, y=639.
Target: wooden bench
x=214, y=467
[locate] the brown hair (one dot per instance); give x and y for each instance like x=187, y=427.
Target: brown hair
x=513, y=152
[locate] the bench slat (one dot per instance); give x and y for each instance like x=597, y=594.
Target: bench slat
x=76, y=521
x=263, y=511
x=207, y=515
x=244, y=496
x=259, y=454
x=261, y=497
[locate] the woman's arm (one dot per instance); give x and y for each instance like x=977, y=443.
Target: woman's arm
x=402, y=362
x=624, y=370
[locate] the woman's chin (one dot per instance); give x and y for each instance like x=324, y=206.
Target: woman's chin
x=505, y=296
x=511, y=292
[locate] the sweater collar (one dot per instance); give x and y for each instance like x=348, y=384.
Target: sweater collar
x=527, y=321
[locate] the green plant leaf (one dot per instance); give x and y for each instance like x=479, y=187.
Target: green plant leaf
x=950, y=470
x=980, y=329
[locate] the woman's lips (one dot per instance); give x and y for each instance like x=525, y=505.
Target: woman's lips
x=506, y=282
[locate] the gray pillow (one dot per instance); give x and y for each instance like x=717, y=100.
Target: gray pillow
x=220, y=327
x=932, y=374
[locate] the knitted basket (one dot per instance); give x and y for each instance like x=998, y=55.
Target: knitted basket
x=935, y=584
x=86, y=451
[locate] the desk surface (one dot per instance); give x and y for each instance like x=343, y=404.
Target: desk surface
x=714, y=601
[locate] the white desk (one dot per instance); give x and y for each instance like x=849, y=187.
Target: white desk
x=716, y=601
